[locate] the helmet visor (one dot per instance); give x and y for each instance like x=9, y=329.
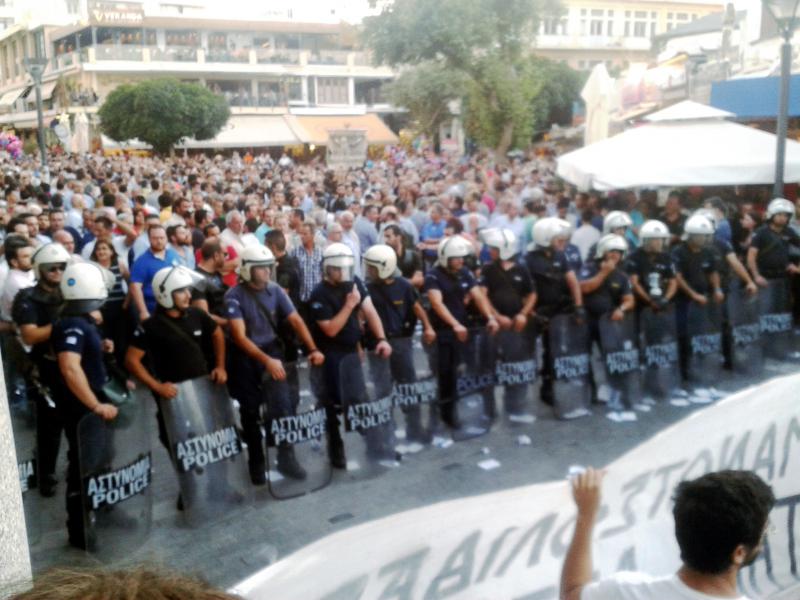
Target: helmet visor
x=340, y=274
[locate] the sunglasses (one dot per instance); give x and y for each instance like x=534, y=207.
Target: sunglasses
x=58, y=267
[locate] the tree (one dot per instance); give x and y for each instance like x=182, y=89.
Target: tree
x=162, y=112
x=426, y=92
x=488, y=42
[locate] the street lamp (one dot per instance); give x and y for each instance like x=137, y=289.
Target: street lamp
x=785, y=14
x=35, y=68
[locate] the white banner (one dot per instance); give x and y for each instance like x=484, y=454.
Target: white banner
x=511, y=544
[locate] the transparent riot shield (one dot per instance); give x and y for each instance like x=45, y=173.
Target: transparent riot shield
x=515, y=373
x=295, y=421
x=747, y=355
x=206, y=451
x=415, y=392
x=116, y=478
x=23, y=425
x=621, y=359
x=659, y=352
x=775, y=308
x=367, y=406
x=704, y=332
x=569, y=351
x=474, y=385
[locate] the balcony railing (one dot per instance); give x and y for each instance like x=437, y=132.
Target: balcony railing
x=173, y=54
x=118, y=53
x=328, y=57
x=268, y=56
x=227, y=56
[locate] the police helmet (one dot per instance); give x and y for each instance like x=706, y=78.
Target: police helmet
x=546, y=229
x=169, y=280
x=708, y=214
x=698, y=226
x=340, y=256
x=609, y=243
x=616, y=219
x=383, y=258
x=779, y=206
x=49, y=254
x=83, y=288
x=503, y=239
x=654, y=230
x=255, y=255
x=454, y=246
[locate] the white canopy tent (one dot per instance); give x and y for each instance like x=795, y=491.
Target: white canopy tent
x=685, y=144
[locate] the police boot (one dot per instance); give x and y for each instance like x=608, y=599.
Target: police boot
x=336, y=452
x=257, y=472
x=288, y=465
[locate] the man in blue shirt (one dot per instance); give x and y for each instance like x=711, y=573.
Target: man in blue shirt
x=146, y=266
x=432, y=232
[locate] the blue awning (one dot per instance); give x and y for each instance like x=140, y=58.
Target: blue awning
x=754, y=98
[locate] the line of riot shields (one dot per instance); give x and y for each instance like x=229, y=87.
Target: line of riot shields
x=392, y=406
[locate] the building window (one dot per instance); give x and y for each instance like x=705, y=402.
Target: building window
x=73, y=6
x=332, y=90
x=554, y=27
x=596, y=27
x=610, y=23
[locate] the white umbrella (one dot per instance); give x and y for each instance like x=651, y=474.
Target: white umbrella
x=694, y=146
x=596, y=93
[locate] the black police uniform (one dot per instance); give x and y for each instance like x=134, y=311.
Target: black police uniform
x=654, y=270
x=211, y=289
x=176, y=350
x=573, y=255
x=695, y=267
x=454, y=288
x=38, y=306
x=548, y=270
x=394, y=303
x=325, y=302
x=248, y=381
x=775, y=250
x=287, y=275
x=81, y=335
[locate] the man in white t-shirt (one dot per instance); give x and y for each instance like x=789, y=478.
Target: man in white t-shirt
x=721, y=521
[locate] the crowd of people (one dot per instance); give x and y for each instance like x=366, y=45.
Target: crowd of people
x=154, y=271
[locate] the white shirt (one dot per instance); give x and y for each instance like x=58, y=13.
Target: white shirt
x=238, y=241
x=15, y=281
x=627, y=585
x=583, y=237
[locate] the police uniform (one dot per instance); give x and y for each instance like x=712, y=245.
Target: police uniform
x=454, y=288
x=325, y=302
x=775, y=250
x=176, y=350
x=287, y=275
x=247, y=382
x=654, y=270
x=36, y=306
x=394, y=303
x=80, y=335
x=548, y=270
x=695, y=268
x=573, y=255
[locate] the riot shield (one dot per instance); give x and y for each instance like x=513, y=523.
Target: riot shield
x=475, y=379
x=569, y=351
x=747, y=356
x=621, y=359
x=116, y=477
x=775, y=308
x=660, y=352
x=295, y=421
x=515, y=374
x=415, y=392
x=704, y=332
x=206, y=451
x=367, y=406
x=23, y=425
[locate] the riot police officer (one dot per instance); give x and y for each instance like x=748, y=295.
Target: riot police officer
x=697, y=276
x=606, y=290
x=450, y=285
x=512, y=295
x=774, y=245
x=254, y=308
x=558, y=291
x=79, y=348
x=180, y=342
x=650, y=268
x=617, y=222
x=397, y=302
x=34, y=311
x=335, y=304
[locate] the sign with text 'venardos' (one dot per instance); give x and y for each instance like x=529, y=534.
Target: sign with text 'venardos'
x=511, y=544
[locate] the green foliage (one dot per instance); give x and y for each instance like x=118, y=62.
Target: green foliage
x=426, y=91
x=481, y=49
x=162, y=112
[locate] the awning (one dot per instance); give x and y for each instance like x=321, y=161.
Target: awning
x=134, y=144
x=47, y=90
x=249, y=132
x=755, y=97
x=314, y=129
x=10, y=97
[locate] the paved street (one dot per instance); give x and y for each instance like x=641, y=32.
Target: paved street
x=233, y=548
